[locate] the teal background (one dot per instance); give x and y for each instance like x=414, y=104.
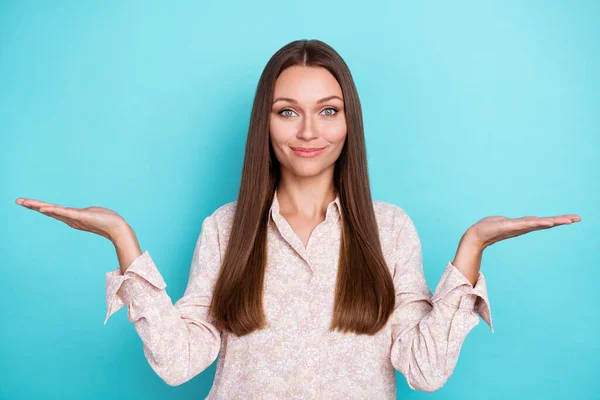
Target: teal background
x=471, y=108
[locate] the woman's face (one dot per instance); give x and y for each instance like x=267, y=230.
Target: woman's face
x=307, y=120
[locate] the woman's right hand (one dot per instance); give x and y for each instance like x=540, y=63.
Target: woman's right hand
x=98, y=220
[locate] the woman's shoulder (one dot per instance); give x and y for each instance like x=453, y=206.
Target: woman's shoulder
x=387, y=210
x=220, y=222
x=391, y=218
x=223, y=215
x=224, y=211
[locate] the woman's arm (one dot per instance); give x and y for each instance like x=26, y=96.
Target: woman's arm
x=179, y=340
x=127, y=247
x=428, y=331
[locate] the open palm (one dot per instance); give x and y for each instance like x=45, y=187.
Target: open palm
x=98, y=220
x=492, y=229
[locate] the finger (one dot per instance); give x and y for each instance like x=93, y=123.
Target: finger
x=521, y=226
x=562, y=220
x=565, y=218
x=532, y=222
x=548, y=221
x=61, y=217
x=36, y=204
x=527, y=230
x=58, y=217
x=77, y=224
x=526, y=221
x=545, y=223
x=66, y=212
x=573, y=217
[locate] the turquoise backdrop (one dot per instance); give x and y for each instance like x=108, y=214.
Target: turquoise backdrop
x=471, y=108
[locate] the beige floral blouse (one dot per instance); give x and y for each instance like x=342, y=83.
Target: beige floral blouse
x=296, y=357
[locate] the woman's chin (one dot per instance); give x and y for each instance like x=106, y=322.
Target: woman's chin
x=308, y=171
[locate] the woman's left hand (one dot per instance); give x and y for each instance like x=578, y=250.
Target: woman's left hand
x=490, y=230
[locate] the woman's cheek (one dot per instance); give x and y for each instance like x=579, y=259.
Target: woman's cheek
x=338, y=132
x=281, y=131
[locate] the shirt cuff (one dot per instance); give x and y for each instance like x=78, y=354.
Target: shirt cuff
x=455, y=289
x=141, y=267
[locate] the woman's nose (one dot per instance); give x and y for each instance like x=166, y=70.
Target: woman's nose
x=307, y=129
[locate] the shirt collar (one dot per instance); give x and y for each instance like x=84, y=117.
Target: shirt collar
x=334, y=208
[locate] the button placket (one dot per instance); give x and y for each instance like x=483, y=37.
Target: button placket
x=286, y=231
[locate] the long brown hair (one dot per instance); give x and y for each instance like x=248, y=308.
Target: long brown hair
x=364, y=296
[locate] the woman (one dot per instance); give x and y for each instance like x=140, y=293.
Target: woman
x=304, y=286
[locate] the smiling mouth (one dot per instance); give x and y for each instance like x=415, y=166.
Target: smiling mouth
x=307, y=152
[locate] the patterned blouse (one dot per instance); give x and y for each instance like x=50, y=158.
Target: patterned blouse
x=296, y=356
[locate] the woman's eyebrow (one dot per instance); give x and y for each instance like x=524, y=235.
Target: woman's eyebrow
x=323, y=100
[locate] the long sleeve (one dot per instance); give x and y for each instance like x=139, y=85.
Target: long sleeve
x=428, y=331
x=179, y=340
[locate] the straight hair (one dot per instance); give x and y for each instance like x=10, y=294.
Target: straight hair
x=364, y=294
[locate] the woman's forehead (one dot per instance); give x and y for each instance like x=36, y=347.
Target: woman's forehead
x=306, y=84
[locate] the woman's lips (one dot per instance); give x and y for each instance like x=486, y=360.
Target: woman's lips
x=307, y=152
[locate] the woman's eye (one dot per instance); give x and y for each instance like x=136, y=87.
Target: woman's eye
x=286, y=113
x=330, y=114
